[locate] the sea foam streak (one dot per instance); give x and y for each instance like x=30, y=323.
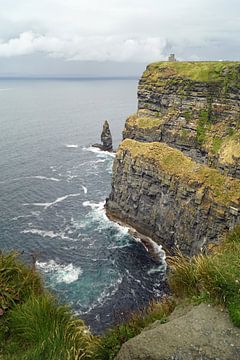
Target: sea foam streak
x=99, y=152
x=48, y=205
x=46, y=233
x=38, y=177
x=72, y=146
x=60, y=273
x=85, y=190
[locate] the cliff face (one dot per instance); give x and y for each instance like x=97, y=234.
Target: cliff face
x=193, y=107
x=171, y=173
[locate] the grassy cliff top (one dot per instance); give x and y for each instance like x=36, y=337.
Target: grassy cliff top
x=203, y=71
x=222, y=189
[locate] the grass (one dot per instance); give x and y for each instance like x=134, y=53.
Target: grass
x=215, y=277
x=17, y=281
x=33, y=325
x=144, y=122
x=203, y=71
x=43, y=329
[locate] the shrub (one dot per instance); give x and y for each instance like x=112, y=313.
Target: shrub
x=215, y=276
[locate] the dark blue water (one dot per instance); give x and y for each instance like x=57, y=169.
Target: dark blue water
x=52, y=191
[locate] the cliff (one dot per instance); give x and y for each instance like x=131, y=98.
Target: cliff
x=193, y=107
x=176, y=174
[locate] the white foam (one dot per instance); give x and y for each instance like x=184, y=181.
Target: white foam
x=50, y=204
x=94, y=206
x=43, y=178
x=99, y=152
x=72, y=146
x=61, y=273
x=85, y=190
x=46, y=233
x=38, y=177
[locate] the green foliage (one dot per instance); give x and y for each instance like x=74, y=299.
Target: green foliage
x=234, y=310
x=113, y=339
x=17, y=281
x=203, y=124
x=216, y=276
x=42, y=329
x=216, y=144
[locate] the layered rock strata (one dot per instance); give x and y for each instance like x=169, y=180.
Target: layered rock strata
x=171, y=198
x=176, y=174
x=193, y=107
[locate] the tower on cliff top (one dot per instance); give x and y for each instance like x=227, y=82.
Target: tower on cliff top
x=172, y=57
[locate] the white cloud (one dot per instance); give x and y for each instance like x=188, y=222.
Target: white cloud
x=87, y=48
x=118, y=30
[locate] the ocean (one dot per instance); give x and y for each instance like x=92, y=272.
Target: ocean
x=53, y=186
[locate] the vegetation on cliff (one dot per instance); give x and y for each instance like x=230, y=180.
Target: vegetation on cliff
x=222, y=189
x=203, y=71
x=34, y=326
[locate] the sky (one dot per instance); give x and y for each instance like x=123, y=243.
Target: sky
x=113, y=37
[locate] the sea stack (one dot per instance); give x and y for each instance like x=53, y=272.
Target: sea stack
x=106, y=138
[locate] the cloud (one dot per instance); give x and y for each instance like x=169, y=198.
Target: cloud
x=87, y=48
x=120, y=30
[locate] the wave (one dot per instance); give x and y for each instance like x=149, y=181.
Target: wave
x=85, y=190
x=38, y=177
x=46, y=233
x=50, y=204
x=99, y=152
x=60, y=273
x=71, y=146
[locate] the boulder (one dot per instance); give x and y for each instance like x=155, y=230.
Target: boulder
x=203, y=333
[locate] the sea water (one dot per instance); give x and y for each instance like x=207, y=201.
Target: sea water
x=53, y=186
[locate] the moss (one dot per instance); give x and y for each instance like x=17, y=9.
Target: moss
x=145, y=122
x=211, y=71
x=222, y=189
x=216, y=144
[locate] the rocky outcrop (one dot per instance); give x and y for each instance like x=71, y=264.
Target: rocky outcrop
x=204, y=333
x=167, y=196
x=106, y=138
x=176, y=176
x=193, y=107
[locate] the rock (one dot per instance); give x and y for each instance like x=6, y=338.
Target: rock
x=191, y=113
x=168, y=197
x=203, y=333
x=106, y=138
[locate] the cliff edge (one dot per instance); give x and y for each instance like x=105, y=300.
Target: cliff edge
x=176, y=176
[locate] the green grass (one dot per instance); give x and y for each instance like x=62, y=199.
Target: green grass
x=215, y=277
x=203, y=71
x=33, y=325
x=42, y=329
x=17, y=281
